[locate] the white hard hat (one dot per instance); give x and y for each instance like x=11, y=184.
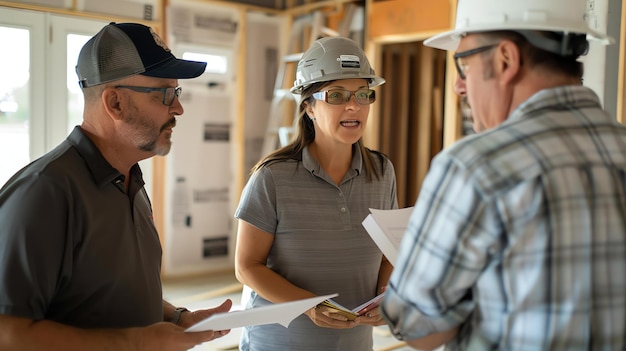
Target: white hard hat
x=333, y=58
x=565, y=16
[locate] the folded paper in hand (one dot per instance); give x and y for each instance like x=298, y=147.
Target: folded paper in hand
x=282, y=313
x=386, y=228
x=360, y=310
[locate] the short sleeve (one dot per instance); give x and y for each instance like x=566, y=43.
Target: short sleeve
x=257, y=204
x=34, y=216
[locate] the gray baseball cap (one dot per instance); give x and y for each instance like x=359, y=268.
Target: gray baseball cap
x=122, y=50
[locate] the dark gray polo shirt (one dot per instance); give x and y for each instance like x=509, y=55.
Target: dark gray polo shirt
x=74, y=246
x=319, y=244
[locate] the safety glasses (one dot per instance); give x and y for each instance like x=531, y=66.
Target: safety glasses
x=168, y=93
x=342, y=96
x=462, y=67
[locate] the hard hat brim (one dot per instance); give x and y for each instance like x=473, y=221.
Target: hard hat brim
x=376, y=81
x=450, y=40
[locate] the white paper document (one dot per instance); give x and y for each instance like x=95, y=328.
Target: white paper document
x=281, y=313
x=386, y=228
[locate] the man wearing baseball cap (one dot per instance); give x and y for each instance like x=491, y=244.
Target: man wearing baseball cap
x=80, y=257
x=518, y=236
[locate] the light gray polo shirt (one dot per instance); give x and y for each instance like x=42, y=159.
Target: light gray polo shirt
x=319, y=245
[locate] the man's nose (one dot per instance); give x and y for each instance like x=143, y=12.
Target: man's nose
x=459, y=86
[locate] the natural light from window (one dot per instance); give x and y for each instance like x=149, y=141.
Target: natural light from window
x=14, y=101
x=215, y=63
x=75, y=101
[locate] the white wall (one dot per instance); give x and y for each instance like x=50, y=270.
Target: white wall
x=198, y=218
x=602, y=62
x=263, y=54
x=611, y=67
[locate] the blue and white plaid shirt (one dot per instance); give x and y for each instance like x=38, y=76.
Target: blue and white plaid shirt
x=519, y=234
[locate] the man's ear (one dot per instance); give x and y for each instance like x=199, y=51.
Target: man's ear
x=508, y=61
x=111, y=100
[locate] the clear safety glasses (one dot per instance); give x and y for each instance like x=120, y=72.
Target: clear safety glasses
x=460, y=66
x=342, y=96
x=168, y=93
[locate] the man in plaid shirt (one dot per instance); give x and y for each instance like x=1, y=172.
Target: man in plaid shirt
x=518, y=237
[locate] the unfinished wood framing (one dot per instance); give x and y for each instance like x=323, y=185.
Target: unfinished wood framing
x=417, y=113
x=410, y=115
x=240, y=109
x=73, y=11
x=400, y=132
x=425, y=119
x=438, y=93
x=397, y=18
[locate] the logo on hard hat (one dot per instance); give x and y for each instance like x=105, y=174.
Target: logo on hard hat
x=349, y=61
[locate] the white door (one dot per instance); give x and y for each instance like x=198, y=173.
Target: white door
x=39, y=97
x=65, y=105
x=22, y=123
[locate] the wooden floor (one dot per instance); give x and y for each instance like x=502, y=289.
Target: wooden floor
x=210, y=291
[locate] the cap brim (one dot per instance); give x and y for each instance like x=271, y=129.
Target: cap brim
x=450, y=40
x=176, y=69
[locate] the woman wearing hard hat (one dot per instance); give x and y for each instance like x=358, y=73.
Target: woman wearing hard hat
x=300, y=232
x=518, y=237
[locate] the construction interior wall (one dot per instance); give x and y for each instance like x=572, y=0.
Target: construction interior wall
x=411, y=112
x=264, y=51
x=199, y=190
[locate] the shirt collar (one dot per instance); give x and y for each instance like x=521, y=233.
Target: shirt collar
x=314, y=167
x=572, y=96
x=101, y=170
